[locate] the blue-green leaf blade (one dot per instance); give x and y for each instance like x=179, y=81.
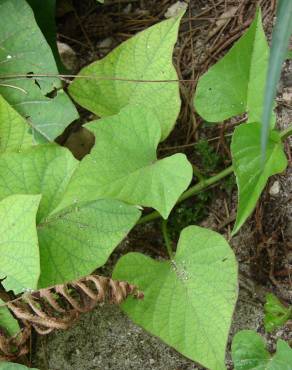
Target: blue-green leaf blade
x=280, y=41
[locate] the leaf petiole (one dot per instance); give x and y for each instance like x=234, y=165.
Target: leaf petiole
x=166, y=238
x=203, y=184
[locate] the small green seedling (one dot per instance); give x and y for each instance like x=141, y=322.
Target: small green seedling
x=276, y=314
x=249, y=353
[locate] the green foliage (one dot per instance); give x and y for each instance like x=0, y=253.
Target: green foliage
x=61, y=218
x=189, y=300
x=44, y=169
x=228, y=184
x=7, y=321
x=276, y=314
x=77, y=239
x=280, y=41
x=251, y=178
x=20, y=262
x=209, y=158
x=235, y=84
x=45, y=17
x=126, y=163
x=189, y=213
x=81, y=238
x=24, y=51
x=146, y=56
x=249, y=353
x=13, y=129
x=13, y=366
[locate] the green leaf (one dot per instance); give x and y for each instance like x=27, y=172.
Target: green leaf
x=249, y=353
x=188, y=301
x=44, y=169
x=24, y=51
x=251, y=178
x=289, y=54
x=76, y=241
x=20, y=261
x=80, y=238
x=276, y=314
x=236, y=83
x=123, y=164
x=13, y=129
x=146, y=56
x=13, y=366
x=45, y=15
x=280, y=41
x=7, y=321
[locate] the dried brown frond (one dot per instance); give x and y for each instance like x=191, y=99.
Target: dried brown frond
x=59, y=307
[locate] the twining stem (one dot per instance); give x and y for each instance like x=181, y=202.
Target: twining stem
x=197, y=173
x=203, y=184
x=166, y=238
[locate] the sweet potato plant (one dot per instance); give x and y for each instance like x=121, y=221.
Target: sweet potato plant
x=62, y=218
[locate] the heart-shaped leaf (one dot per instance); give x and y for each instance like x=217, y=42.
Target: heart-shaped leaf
x=188, y=301
x=20, y=261
x=146, y=56
x=80, y=238
x=236, y=83
x=7, y=321
x=123, y=164
x=13, y=129
x=247, y=162
x=249, y=353
x=24, y=51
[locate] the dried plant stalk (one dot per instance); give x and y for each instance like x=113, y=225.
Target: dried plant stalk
x=13, y=347
x=59, y=307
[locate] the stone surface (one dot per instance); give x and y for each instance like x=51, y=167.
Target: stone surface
x=107, y=340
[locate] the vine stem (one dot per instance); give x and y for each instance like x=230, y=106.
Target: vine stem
x=203, y=184
x=167, y=239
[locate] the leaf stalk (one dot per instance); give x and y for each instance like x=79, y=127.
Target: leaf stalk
x=205, y=183
x=166, y=238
